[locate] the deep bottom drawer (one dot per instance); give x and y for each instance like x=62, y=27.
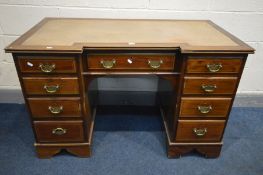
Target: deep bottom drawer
x=199, y=130
x=59, y=131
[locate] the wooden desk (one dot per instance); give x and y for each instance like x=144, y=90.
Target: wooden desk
x=58, y=59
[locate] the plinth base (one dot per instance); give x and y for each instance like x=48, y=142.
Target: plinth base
x=49, y=150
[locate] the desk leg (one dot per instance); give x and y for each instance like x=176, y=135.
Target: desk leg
x=209, y=151
x=45, y=151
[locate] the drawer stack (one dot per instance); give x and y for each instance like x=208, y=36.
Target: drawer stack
x=209, y=86
x=51, y=89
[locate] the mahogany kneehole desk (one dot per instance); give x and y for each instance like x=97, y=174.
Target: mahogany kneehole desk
x=58, y=59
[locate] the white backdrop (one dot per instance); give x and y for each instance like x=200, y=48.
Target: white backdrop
x=243, y=18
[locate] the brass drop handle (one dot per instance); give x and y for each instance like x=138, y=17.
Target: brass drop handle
x=55, y=109
x=209, y=88
x=155, y=64
x=59, y=131
x=214, y=67
x=200, y=132
x=204, y=109
x=47, y=68
x=108, y=64
x=51, y=89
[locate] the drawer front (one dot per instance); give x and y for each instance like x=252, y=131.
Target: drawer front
x=204, y=107
x=199, y=130
x=59, y=131
x=209, y=85
x=131, y=62
x=51, y=86
x=54, y=65
x=196, y=65
x=55, y=107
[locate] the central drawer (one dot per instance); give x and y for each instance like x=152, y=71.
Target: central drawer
x=162, y=62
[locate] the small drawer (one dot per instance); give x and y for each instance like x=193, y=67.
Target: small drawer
x=131, y=62
x=47, y=65
x=204, y=107
x=51, y=85
x=210, y=85
x=199, y=130
x=55, y=107
x=59, y=131
x=197, y=65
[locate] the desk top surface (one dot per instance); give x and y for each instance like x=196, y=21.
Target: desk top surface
x=74, y=35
